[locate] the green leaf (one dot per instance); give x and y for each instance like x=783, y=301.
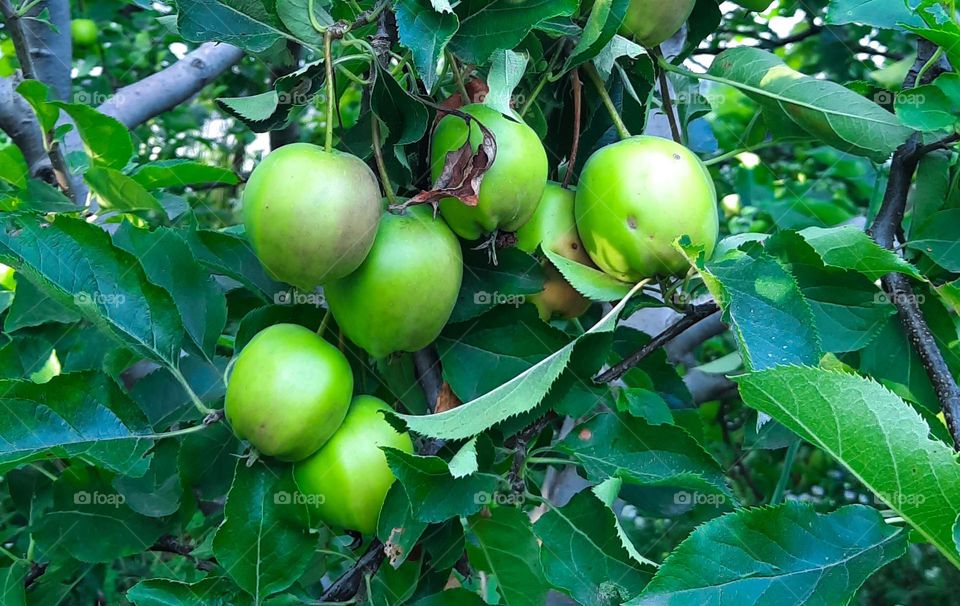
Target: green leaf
x=937, y=238
x=588, y=281
x=602, y=25
x=465, y=461
x=486, y=285
x=212, y=591
x=169, y=263
x=490, y=25
x=583, y=555
x=37, y=94
x=645, y=404
x=117, y=191
x=212, y=21
x=886, y=15
x=616, y=48
x=793, y=555
x=12, y=591
x=74, y=415
x=434, y=494
x=105, y=139
x=825, y=110
x=295, y=15
x=113, y=292
x=517, y=396
x=263, y=543
x=157, y=493
x=181, y=173
x=507, y=548
x=879, y=438
x=766, y=310
x=404, y=115
x=925, y=108
x=232, y=256
x=31, y=307
x=945, y=34
x=506, y=70
x=458, y=596
x=13, y=166
x=273, y=109
x=504, y=342
x=426, y=33
x=617, y=446
x=850, y=248
x=90, y=522
x=397, y=527
x=848, y=308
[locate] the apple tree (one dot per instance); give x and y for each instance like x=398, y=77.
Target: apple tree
x=514, y=302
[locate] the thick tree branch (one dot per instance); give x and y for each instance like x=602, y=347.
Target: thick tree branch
x=135, y=104
x=695, y=315
x=884, y=230
x=51, y=50
x=36, y=64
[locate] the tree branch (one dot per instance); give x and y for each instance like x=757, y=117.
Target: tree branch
x=695, y=315
x=884, y=230
x=51, y=51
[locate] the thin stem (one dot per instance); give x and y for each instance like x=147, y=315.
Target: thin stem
x=458, y=78
x=323, y=324
x=547, y=74
x=177, y=432
x=331, y=93
x=44, y=471
x=576, y=89
x=667, y=104
x=933, y=60
x=353, y=77
x=788, y=460
x=732, y=154
x=10, y=554
x=204, y=410
x=381, y=166
x=607, y=102
x=549, y=461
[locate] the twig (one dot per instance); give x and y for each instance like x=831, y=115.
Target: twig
x=884, y=231
x=607, y=102
x=576, y=88
x=18, y=36
x=695, y=315
x=781, y=488
x=737, y=453
x=36, y=571
x=520, y=446
x=665, y=96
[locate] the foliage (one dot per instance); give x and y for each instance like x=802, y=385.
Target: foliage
x=791, y=450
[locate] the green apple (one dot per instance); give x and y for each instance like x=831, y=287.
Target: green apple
x=84, y=32
x=510, y=190
x=652, y=22
x=347, y=480
x=553, y=227
x=755, y=5
x=288, y=392
x=402, y=295
x=635, y=198
x=311, y=215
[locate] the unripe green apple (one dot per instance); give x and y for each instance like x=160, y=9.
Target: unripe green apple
x=402, y=295
x=553, y=227
x=289, y=392
x=83, y=31
x=652, y=22
x=755, y=5
x=311, y=215
x=637, y=196
x=349, y=477
x=510, y=190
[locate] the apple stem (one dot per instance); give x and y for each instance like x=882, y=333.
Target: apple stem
x=591, y=72
x=381, y=166
x=204, y=410
x=331, y=92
